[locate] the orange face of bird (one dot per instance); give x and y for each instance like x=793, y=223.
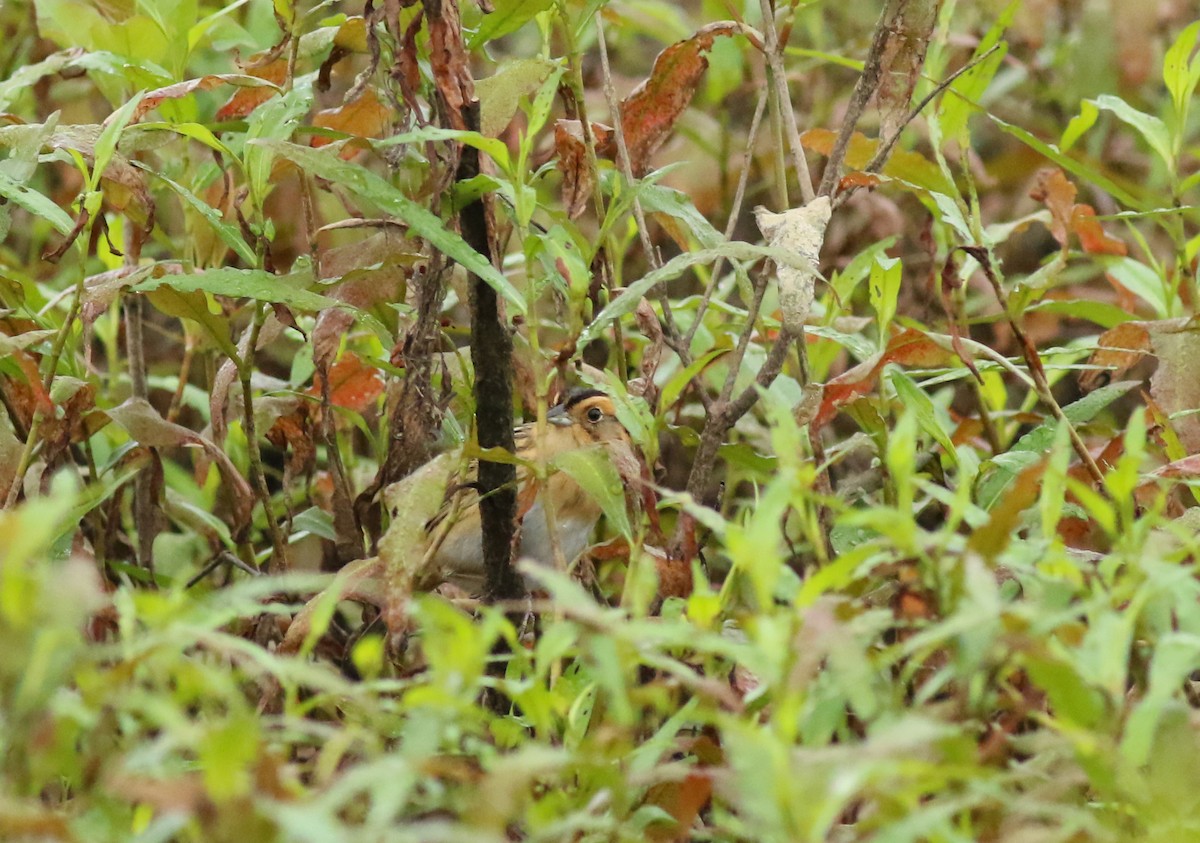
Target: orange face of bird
x=592, y=418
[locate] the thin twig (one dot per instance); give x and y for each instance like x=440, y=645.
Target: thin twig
x=280, y=560
x=739, y=196
x=1034, y=363
x=771, y=50
x=864, y=89
x=884, y=152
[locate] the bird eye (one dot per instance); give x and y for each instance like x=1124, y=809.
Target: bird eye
x=595, y=414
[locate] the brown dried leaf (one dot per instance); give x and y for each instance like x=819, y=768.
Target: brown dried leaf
x=143, y=423
x=650, y=112
x=366, y=117
x=353, y=384
x=1058, y=193
x=1174, y=385
x=910, y=348
x=248, y=99
x=1118, y=350
x=206, y=83
x=449, y=62
x=571, y=150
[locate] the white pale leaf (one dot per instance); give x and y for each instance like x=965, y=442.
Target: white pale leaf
x=800, y=231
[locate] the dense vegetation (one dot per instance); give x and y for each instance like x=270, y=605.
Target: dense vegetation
x=912, y=556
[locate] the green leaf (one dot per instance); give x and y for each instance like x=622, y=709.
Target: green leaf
x=628, y=300
x=229, y=234
x=1181, y=72
x=592, y=469
x=194, y=307
x=35, y=203
x=966, y=91
x=1153, y=130
x=1075, y=168
x=246, y=283
x=368, y=186
x=1037, y=442
x=915, y=400
x=110, y=135
x=507, y=16
x=884, y=283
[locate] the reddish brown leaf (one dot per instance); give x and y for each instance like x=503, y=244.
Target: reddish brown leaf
x=1091, y=234
x=571, y=149
x=352, y=384
x=910, y=348
x=143, y=423
x=1117, y=351
x=649, y=113
x=248, y=99
x=683, y=800
x=1057, y=192
x=449, y=62
x=293, y=433
x=366, y=117
x=851, y=181
x=265, y=88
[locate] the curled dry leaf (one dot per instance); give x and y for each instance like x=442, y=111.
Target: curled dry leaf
x=651, y=111
x=571, y=150
x=247, y=99
x=143, y=423
x=910, y=347
x=648, y=323
x=206, y=83
x=365, y=117
x=1057, y=192
x=802, y=231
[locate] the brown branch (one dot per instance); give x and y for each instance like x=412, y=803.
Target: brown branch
x=772, y=50
x=491, y=342
x=1034, y=362
x=864, y=89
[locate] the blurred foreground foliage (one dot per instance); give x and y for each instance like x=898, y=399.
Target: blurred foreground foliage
x=946, y=586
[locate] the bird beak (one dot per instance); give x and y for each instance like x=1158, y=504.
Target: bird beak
x=558, y=415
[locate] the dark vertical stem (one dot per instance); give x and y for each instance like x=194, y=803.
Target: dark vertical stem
x=491, y=355
x=145, y=503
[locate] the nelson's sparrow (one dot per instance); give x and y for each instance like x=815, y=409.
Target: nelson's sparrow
x=586, y=419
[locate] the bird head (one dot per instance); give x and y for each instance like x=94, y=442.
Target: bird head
x=592, y=418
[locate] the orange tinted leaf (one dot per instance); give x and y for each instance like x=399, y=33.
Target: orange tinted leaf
x=1117, y=351
x=263, y=86
x=910, y=348
x=851, y=181
x=1058, y=193
x=352, y=383
x=366, y=117
x=903, y=164
x=1091, y=234
x=649, y=113
x=1055, y=190
x=248, y=99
